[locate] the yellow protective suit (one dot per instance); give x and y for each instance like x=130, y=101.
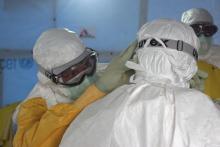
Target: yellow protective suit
x=39, y=126
x=212, y=83
x=6, y=130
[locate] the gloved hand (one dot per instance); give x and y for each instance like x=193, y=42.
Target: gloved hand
x=116, y=74
x=198, y=80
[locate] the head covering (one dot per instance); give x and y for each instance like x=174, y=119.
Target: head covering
x=196, y=15
x=56, y=47
x=154, y=111
x=162, y=63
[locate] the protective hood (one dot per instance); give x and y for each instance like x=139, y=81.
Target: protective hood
x=150, y=112
x=196, y=15
x=162, y=63
x=57, y=47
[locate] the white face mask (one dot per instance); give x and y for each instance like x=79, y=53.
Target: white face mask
x=205, y=43
x=163, y=63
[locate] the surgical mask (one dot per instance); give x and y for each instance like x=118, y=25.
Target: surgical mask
x=76, y=91
x=205, y=43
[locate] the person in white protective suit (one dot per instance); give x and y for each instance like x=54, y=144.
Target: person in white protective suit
x=157, y=109
x=67, y=83
x=56, y=52
x=53, y=49
x=209, y=54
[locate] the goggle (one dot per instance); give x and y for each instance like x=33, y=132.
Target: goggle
x=172, y=44
x=206, y=29
x=73, y=72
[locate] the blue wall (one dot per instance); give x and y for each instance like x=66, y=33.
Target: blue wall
x=21, y=23
x=115, y=23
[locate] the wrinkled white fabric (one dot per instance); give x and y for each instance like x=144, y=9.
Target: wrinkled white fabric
x=196, y=15
x=156, y=110
x=213, y=56
x=147, y=115
x=56, y=47
x=53, y=48
x=174, y=31
x=177, y=67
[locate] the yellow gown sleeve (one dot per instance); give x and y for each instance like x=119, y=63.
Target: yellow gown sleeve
x=212, y=83
x=42, y=127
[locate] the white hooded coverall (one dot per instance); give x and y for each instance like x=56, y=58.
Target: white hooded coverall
x=157, y=109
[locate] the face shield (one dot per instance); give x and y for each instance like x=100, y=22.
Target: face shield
x=73, y=72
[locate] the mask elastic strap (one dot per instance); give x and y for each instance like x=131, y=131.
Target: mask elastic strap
x=157, y=39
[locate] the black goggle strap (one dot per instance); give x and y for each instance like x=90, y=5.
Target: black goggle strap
x=172, y=44
x=54, y=74
x=49, y=74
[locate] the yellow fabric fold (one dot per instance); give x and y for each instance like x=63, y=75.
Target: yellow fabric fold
x=212, y=83
x=42, y=127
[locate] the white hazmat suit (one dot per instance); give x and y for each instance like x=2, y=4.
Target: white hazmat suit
x=157, y=109
x=55, y=48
